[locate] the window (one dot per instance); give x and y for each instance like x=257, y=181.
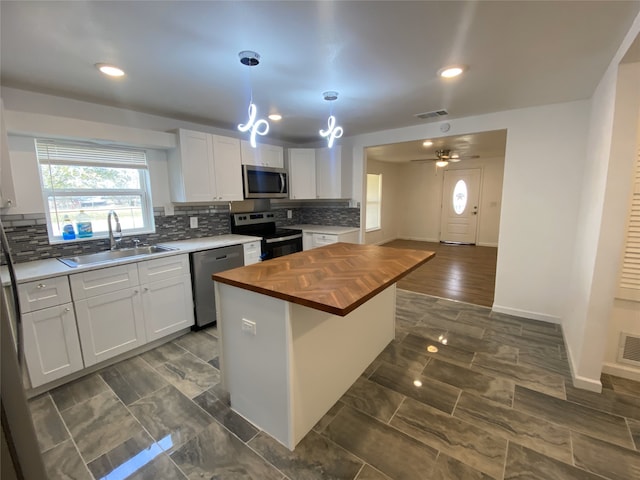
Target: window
x=94, y=179
x=374, y=200
x=629, y=286
x=459, y=197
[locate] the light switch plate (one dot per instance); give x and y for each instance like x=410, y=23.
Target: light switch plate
x=168, y=209
x=193, y=222
x=248, y=326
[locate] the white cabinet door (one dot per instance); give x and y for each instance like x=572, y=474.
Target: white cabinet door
x=51, y=344
x=252, y=252
x=7, y=188
x=272, y=156
x=329, y=172
x=302, y=173
x=263, y=155
x=307, y=240
x=227, y=168
x=168, y=306
x=110, y=324
x=191, y=168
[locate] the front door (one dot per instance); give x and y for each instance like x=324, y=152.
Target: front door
x=460, y=195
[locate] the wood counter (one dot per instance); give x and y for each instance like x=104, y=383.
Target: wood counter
x=335, y=278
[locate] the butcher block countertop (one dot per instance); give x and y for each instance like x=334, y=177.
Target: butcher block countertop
x=335, y=278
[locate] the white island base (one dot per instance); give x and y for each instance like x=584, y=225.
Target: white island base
x=300, y=360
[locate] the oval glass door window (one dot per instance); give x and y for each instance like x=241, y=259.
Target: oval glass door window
x=460, y=197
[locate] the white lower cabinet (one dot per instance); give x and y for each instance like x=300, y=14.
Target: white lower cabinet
x=314, y=239
x=51, y=344
x=252, y=252
x=168, y=306
x=110, y=324
x=121, y=314
x=320, y=239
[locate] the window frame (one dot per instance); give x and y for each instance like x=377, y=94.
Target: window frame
x=377, y=203
x=144, y=192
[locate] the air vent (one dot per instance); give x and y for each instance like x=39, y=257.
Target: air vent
x=629, y=349
x=434, y=114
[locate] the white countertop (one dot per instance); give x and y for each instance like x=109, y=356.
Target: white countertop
x=39, y=269
x=324, y=229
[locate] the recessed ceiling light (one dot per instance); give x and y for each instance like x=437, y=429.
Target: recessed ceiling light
x=451, y=71
x=427, y=143
x=275, y=117
x=110, y=70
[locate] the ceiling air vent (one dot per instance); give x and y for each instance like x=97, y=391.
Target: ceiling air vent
x=434, y=114
x=629, y=349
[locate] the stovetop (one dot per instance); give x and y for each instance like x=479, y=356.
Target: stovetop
x=260, y=224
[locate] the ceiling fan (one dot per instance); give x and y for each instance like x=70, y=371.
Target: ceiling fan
x=444, y=156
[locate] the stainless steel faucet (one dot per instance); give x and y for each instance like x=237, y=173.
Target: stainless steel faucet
x=113, y=242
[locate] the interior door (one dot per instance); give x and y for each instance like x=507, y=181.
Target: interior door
x=460, y=197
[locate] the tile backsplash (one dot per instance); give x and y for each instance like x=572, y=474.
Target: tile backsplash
x=28, y=239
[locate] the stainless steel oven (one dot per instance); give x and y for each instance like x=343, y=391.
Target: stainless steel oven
x=276, y=242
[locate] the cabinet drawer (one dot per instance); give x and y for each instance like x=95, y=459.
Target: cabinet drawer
x=320, y=239
x=163, y=268
x=252, y=252
x=44, y=293
x=106, y=280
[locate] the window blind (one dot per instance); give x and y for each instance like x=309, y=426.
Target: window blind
x=629, y=287
x=52, y=152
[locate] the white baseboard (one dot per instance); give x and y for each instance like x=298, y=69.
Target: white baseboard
x=585, y=383
x=419, y=239
x=624, y=371
x=487, y=244
x=516, y=312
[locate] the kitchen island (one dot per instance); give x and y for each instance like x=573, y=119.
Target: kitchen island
x=298, y=330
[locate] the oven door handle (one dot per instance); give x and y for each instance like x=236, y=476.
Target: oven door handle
x=282, y=239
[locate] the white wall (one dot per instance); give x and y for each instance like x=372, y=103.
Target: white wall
x=391, y=189
x=421, y=194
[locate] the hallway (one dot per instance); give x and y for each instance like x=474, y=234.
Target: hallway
x=466, y=273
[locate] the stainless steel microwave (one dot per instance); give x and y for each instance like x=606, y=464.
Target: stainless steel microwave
x=264, y=182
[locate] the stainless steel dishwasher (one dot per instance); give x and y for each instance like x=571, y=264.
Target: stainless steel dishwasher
x=203, y=265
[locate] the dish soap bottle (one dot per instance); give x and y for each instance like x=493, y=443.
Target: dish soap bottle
x=83, y=223
x=67, y=229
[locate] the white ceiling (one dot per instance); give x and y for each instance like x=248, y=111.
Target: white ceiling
x=181, y=58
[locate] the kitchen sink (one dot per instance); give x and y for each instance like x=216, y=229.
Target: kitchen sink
x=110, y=255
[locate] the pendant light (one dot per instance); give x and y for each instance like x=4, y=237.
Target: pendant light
x=260, y=126
x=333, y=131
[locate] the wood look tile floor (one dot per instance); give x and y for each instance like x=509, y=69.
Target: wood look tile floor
x=493, y=402
x=466, y=273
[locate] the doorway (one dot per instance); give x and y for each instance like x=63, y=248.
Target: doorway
x=460, y=201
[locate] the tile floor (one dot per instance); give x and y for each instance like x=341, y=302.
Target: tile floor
x=494, y=402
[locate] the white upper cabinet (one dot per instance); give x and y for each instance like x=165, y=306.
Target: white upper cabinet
x=263, y=155
x=315, y=173
x=328, y=172
x=302, y=173
x=227, y=168
x=205, y=168
x=7, y=189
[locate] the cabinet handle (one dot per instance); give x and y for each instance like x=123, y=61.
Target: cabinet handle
x=146, y=289
x=41, y=285
x=135, y=292
x=67, y=309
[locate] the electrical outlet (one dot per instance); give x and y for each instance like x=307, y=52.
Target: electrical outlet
x=289, y=214
x=193, y=222
x=168, y=209
x=248, y=326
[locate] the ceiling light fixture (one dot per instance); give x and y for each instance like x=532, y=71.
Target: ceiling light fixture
x=427, y=143
x=110, y=70
x=333, y=131
x=257, y=127
x=451, y=71
x=276, y=117
x=442, y=163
